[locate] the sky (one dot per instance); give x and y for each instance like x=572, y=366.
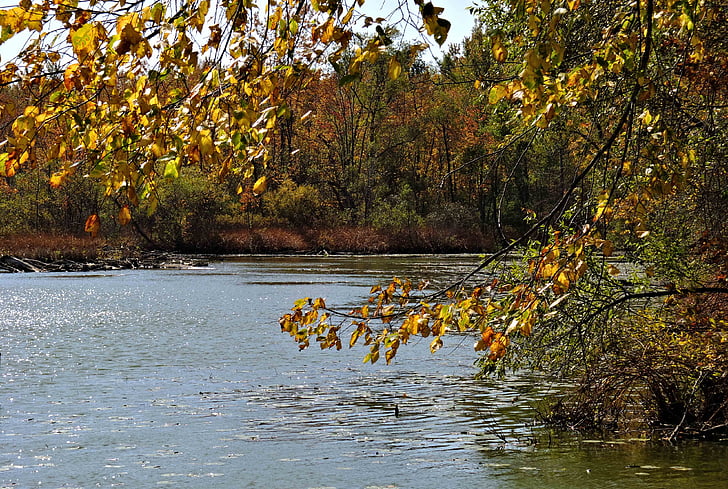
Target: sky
x=455, y=11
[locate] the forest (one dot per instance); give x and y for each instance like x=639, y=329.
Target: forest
x=403, y=164
x=581, y=144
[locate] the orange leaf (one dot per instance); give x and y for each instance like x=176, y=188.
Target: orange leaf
x=93, y=224
x=124, y=215
x=70, y=76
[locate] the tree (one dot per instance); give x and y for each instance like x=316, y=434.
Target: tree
x=629, y=96
x=134, y=91
x=633, y=94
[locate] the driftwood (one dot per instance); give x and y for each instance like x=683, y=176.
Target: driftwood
x=152, y=260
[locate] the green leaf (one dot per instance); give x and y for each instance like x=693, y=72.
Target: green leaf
x=346, y=80
x=171, y=170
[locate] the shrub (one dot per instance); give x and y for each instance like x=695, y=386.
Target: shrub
x=296, y=205
x=190, y=213
x=453, y=215
x=397, y=213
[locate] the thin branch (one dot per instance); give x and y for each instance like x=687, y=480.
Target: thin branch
x=487, y=155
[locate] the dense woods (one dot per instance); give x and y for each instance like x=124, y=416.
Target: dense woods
x=583, y=143
x=409, y=161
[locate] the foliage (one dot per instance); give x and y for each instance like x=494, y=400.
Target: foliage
x=397, y=213
x=135, y=98
x=581, y=131
x=188, y=213
x=612, y=82
x=296, y=205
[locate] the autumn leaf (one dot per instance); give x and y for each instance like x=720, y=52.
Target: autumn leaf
x=93, y=224
x=70, y=78
x=500, y=53
x=395, y=69
x=345, y=20
x=124, y=217
x=497, y=93
x=85, y=40
x=129, y=38
x=58, y=178
x=260, y=185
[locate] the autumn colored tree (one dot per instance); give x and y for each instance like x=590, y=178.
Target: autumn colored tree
x=630, y=94
x=135, y=91
x=621, y=103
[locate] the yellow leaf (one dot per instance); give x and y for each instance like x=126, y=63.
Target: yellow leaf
x=562, y=282
x=3, y=163
x=389, y=355
x=206, y=145
x=13, y=18
x=436, y=344
x=500, y=53
x=84, y=40
x=497, y=93
x=395, y=69
x=124, y=216
x=260, y=185
x=526, y=328
x=345, y=20
x=171, y=168
x=57, y=178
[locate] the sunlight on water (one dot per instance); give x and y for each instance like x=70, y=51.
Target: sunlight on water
x=182, y=379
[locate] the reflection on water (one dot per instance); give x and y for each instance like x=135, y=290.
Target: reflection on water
x=182, y=378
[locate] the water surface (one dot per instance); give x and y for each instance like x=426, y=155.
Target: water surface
x=182, y=378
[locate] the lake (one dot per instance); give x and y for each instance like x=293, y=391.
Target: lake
x=181, y=378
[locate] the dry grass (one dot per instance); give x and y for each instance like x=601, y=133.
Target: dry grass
x=351, y=240
x=49, y=247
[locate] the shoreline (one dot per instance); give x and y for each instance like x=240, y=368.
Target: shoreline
x=67, y=252
x=147, y=261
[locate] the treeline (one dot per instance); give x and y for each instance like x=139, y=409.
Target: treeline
x=401, y=164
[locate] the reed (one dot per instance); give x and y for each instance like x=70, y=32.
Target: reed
x=49, y=247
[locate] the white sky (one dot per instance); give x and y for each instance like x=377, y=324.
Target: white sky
x=455, y=11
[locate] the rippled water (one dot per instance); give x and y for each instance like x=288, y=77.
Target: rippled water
x=181, y=378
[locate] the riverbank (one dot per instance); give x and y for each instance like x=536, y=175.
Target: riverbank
x=57, y=249
x=146, y=261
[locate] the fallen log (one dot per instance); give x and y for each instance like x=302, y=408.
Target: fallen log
x=13, y=264
x=148, y=261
